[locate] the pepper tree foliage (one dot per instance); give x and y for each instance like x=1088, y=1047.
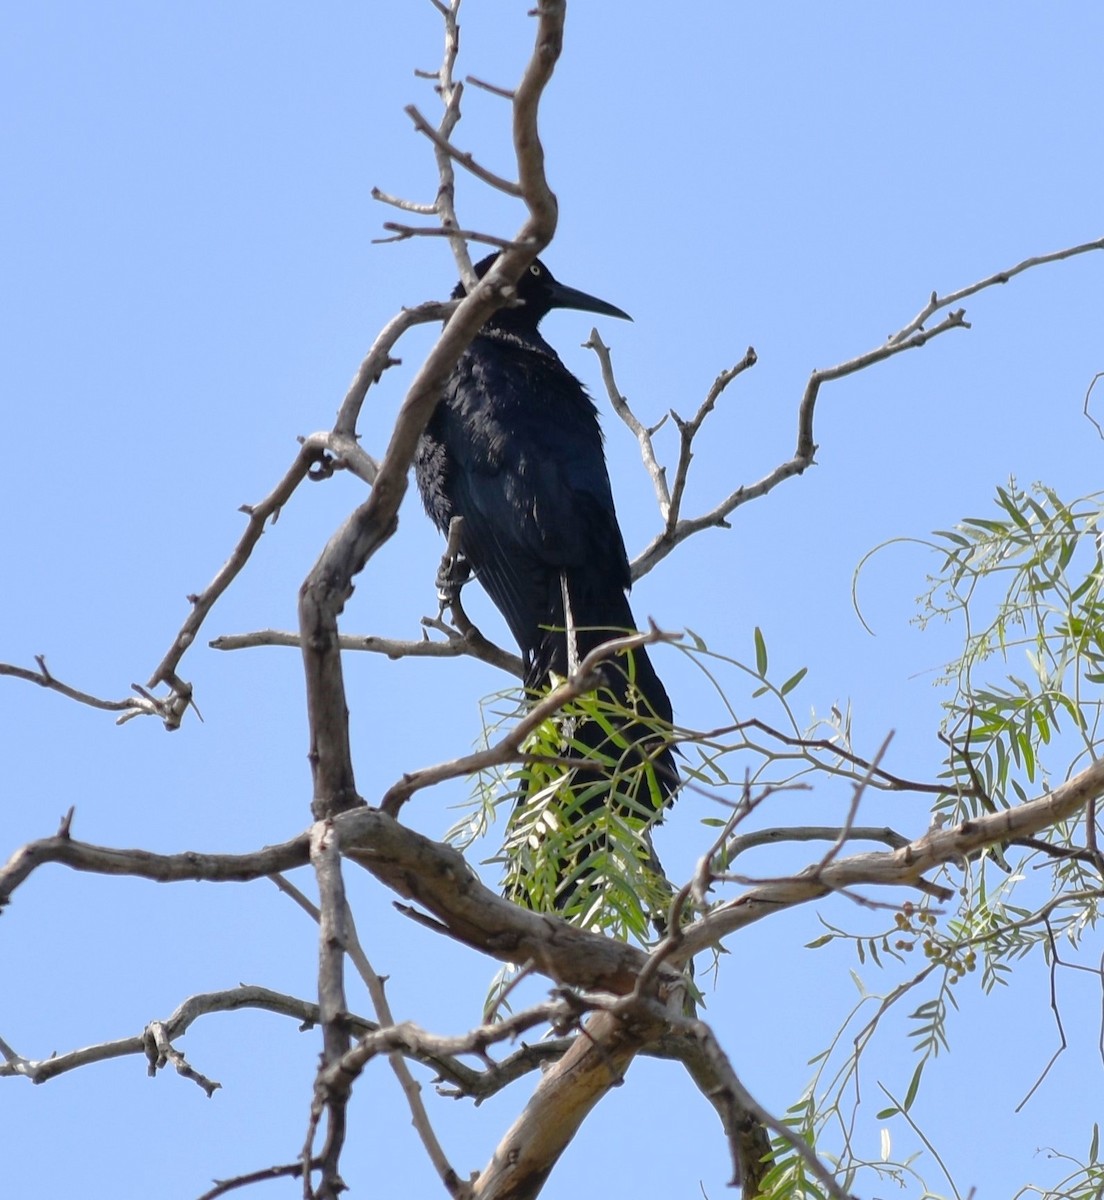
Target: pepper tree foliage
x=1022, y=710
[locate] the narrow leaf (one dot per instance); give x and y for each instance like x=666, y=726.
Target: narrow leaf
x=760, y=653
x=793, y=681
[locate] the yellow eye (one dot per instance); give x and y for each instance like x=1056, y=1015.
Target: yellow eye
x=534, y=268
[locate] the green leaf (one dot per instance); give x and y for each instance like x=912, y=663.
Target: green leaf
x=914, y=1086
x=886, y=1113
x=793, y=681
x=697, y=639
x=760, y=653
x=1009, y=506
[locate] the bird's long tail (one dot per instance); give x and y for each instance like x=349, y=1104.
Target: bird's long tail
x=580, y=835
x=639, y=710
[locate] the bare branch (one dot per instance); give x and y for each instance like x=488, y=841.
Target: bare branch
x=563, y=1099
x=402, y=232
x=936, y=302
x=641, y=432
x=142, y=864
x=811, y=833
x=378, y=359
x=508, y=748
x=505, y=93
x=450, y=92
x=425, y=210
x=332, y=935
x=411, y=1089
x=329, y=584
x=134, y=705
x=285, y=1171
x=469, y=643
x=233, y=999
x=901, y=867
x=688, y=430
x=911, y=336
x=312, y=451
x=463, y=157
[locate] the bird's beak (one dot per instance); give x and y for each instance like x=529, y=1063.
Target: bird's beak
x=562, y=296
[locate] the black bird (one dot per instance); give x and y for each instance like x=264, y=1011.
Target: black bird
x=514, y=447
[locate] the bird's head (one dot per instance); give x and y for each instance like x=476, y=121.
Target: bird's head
x=540, y=292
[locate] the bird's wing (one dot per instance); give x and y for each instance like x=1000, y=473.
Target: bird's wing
x=524, y=466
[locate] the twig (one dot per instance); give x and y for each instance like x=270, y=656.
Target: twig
x=735, y=1105
x=885, y=779
x=856, y=799
x=424, y=210
x=190, y=1010
x=505, y=93
x=508, y=748
x=1055, y=963
x=463, y=157
x=688, y=430
x=1088, y=396
x=936, y=302
x=911, y=336
x=313, y=450
x=402, y=232
x=285, y=1171
x=469, y=643
x=143, y=703
x=159, y=1051
x=454, y=1185
x=332, y=939
x=378, y=359
x=641, y=432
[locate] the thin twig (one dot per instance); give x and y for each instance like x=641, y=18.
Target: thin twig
x=641, y=432
x=937, y=302
x=911, y=336
x=463, y=157
x=508, y=748
x=284, y=1171
x=469, y=643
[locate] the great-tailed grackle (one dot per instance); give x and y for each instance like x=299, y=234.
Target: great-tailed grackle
x=514, y=447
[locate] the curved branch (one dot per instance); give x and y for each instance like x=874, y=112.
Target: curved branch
x=509, y=748
x=468, y=643
x=329, y=584
x=189, y=1011
x=910, y=336
x=142, y=864
x=904, y=866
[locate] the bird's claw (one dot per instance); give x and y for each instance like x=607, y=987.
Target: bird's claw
x=452, y=574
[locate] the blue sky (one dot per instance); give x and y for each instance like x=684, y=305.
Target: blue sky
x=189, y=283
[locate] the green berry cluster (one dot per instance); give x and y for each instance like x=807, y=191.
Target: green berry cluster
x=919, y=925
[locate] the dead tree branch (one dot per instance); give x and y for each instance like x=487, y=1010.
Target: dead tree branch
x=904, y=866
x=329, y=584
x=909, y=337
x=185, y=1015
x=468, y=643
x=509, y=748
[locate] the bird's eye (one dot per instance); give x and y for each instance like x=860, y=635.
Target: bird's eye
x=534, y=268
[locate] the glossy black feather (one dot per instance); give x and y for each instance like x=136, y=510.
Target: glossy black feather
x=515, y=448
